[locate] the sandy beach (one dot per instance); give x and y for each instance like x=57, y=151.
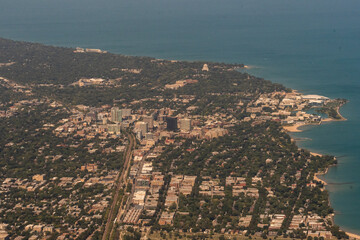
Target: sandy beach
x=328, y=119
x=294, y=128
x=249, y=66
x=353, y=236
x=338, y=112
x=316, y=178
x=316, y=154
x=333, y=120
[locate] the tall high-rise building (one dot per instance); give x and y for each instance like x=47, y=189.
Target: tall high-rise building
x=142, y=127
x=150, y=121
x=185, y=124
x=171, y=124
x=116, y=114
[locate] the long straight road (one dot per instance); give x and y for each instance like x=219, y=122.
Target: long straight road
x=128, y=155
x=129, y=199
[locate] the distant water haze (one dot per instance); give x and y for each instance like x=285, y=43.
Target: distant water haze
x=312, y=46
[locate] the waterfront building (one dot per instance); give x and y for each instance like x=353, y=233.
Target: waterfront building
x=205, y=68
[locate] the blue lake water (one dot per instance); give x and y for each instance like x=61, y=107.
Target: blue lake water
x=312, y=46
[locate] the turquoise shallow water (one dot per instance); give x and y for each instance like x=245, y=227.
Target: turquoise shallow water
x=312, y=46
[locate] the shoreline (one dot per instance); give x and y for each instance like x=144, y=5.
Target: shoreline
x=328, y=119
x=353, y=235
x=316, y=178
x=294, y=129
x=248, y=67
x=316, y=175
x=338, y=112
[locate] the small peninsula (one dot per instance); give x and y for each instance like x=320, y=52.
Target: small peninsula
x=322, y=105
